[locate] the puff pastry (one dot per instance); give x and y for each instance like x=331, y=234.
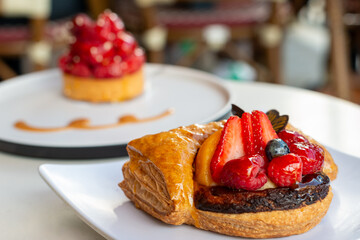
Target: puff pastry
x=158, y=178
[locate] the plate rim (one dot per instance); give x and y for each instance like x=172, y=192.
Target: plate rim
x=42, y=172
x=106, y=150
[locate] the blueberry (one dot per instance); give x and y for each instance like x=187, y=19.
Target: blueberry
x=276, y=148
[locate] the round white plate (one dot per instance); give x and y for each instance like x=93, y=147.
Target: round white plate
x=37, y=99
x=91, y=190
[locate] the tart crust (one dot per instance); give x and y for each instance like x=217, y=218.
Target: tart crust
x=104, y=90
x=159, y=180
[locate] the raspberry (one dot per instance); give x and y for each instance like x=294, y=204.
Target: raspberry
x=244, y=173
x=83, y=29
x=64, y=63
x=286, y=170
x=101, y=49
x=291, y=137
x=81, y=70
x=311, y=155
x=114, y=69
x=124, y=44
x=101, y=71
x=108, y=24
x=135, y=61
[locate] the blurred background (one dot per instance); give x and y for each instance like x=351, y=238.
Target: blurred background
x=312, y=44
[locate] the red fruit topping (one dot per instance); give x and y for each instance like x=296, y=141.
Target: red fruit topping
x=263, y=131
x=124, y=44
x=102, y=52
x=247, y=134
x=230, y=147
x=286, y=170
x=101, y=71
x=83, y=29
x=103, y=28
x=291, y=137
x=64, y=63
x=311, y=155
x=136, y=60
x=108, y=25
x=244, y=173
x=81, y=70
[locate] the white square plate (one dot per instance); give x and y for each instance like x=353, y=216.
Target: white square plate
x=91, y=190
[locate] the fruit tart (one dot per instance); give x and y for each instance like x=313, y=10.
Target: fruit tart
x=253, y=175
x=104, y=62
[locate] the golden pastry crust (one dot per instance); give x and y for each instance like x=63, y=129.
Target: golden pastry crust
x=104, y=90
x=159, y=176
x=159, y=180
x=266, y=224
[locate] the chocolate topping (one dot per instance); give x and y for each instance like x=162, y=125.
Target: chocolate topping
x=220, y=199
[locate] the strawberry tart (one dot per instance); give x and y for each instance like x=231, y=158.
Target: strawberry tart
x=253, y=175
x=104, y=62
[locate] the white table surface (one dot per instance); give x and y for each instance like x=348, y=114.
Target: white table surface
x=31, y=210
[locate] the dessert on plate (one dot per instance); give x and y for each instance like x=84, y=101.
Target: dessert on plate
x=253, y=175
x=104, y=62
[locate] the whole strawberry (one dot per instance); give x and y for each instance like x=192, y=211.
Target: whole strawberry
x=244, y=173
x=285, y=170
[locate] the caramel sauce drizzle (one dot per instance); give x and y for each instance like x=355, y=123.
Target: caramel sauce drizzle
x=84, y=124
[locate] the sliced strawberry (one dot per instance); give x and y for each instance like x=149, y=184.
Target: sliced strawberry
x=247, y=134
x=229, y=147
x=263, y=131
